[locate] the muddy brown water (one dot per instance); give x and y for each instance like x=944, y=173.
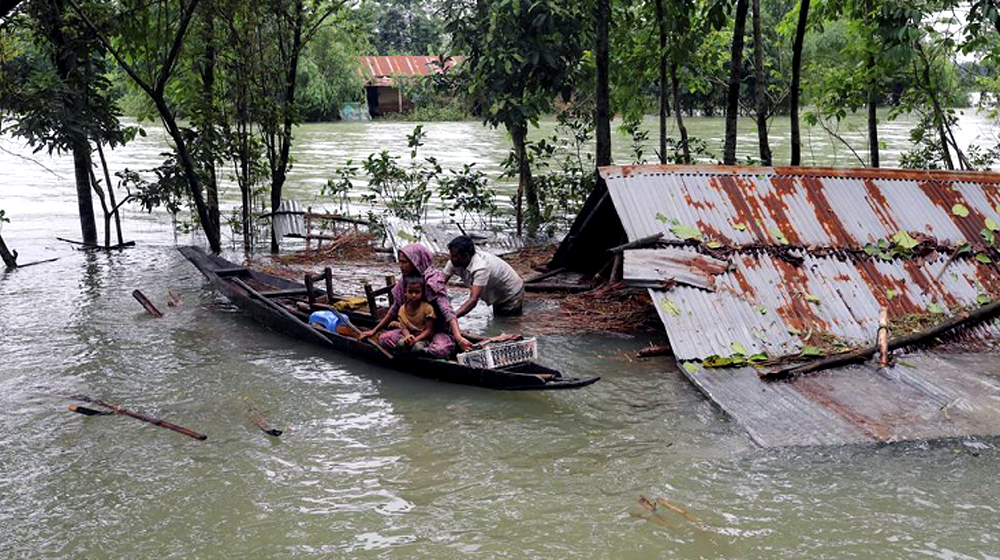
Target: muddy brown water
x=377, y=464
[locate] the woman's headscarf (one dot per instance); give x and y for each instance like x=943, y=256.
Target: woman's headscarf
x=435, y=290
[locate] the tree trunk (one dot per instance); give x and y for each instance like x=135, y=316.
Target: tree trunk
x=111, y=194
x=602, y=118
x=9, y=260
x=106, y=213
x=662, y=63
x=525, y=187
x=793, y=103
x=873, y=147
x=65, y=61
x=735, y=68
x=872, y=129
x=208, y=87
x=681, y=129
x=85, y=203
x=760, y=87
x=280, y=173
x=191, y=174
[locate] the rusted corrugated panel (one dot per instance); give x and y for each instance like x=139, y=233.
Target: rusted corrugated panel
x=652, y=267
x=809, y=207
x=378, y=70
x=933, y=397
x=768, y=305
x=794, y=238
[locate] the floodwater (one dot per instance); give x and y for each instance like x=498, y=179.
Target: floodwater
x=377, y=464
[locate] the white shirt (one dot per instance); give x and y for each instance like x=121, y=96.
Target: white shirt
x=499, y=280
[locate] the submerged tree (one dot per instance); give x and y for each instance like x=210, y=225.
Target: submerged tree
x=55, y=87
x=519, y=56
x=9, y=258
x=148, y=39
x=735, y=81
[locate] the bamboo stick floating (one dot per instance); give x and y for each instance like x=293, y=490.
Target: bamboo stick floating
x=139, y=416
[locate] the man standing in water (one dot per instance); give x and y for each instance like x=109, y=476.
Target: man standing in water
x=487, y=276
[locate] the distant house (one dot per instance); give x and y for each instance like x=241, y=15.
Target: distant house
x=382, y=73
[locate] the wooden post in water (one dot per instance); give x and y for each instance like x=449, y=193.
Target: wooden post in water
x=146, y=303
x=883, y=337
x=308, y=218
x=9, y=259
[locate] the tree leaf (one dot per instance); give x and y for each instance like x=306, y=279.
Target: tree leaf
x=992, y=224
x=933, y=307
x=813, y=299
x=983, y=258
x=685, y=231
x=778, y=235
x=661, y=217
x=983, y=299
x=891, y=294
x=691, y=367
x=812, y=351
x=739, y=349
x=740, y=227
x=960, y=210
x=670, y=308
x=713, y=245
x=988, y=235
x=904, y=240
x=761, y=309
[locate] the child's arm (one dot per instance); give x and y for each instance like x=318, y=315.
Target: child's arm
x=427, y=332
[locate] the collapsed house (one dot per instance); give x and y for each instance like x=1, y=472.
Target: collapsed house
x=754, y=268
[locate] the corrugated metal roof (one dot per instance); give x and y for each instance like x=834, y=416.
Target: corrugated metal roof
x=840, y=208
x=769, y=217
x=379, y=70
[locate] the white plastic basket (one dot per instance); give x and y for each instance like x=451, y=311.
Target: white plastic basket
x=500, y=354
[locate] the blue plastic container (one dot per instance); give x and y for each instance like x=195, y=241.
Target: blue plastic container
x=326, y=319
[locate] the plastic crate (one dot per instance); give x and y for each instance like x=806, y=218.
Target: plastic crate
x=500, y=354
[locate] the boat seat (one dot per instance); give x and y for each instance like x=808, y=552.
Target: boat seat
x=371, y=294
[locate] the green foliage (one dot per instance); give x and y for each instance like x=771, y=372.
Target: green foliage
x=329, y=75
x=403, y=191
x=402, y=27
x=434, y=98
x=467, y=194
x=53, y=80
x=563, y=168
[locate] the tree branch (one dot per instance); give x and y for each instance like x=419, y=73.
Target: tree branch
x=175, y=49
x=107, y=46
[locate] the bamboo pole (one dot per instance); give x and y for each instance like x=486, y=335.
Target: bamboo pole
x=139, y=416
x=960, y=320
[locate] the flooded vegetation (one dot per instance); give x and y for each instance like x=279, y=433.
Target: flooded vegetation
x=374, y=463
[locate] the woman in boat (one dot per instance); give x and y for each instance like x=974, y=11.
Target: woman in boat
x=417, y=259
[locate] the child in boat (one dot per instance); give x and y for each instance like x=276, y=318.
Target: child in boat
x=415, y=319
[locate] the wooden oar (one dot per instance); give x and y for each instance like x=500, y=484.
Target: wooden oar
x=138, y=416
x=279, y=308
x=346, y=321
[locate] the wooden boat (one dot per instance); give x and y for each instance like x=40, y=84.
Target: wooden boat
x=275, y=302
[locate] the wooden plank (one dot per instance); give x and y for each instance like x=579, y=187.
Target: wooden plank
x=148, y=305
x=284, y=293
x=234, y=271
